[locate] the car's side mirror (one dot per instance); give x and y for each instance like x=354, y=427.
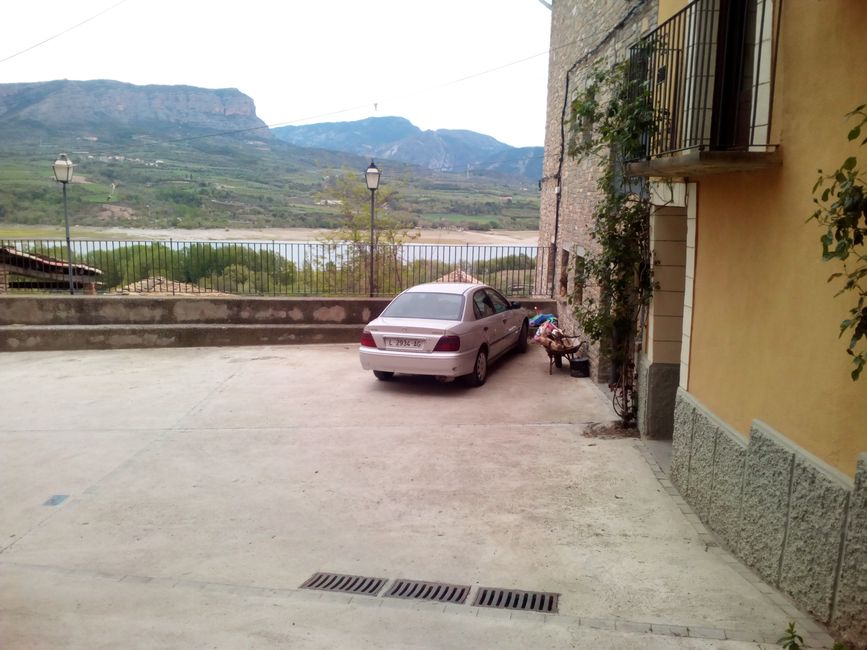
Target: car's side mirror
x=515, y=305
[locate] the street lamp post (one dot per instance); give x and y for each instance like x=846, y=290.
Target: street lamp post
x=371, y=177
x=63, y=174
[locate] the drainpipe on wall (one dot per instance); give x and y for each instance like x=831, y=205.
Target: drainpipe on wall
x=559, y=175
x=557, y=189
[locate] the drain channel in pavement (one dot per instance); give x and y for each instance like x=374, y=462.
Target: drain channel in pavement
x=534, y=601
x=530, y=601
x=438, y=591
x=344, y=583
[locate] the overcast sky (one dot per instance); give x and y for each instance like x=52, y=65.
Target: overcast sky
x=306, y=61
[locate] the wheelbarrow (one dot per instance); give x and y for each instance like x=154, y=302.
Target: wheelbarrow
x=565, y=346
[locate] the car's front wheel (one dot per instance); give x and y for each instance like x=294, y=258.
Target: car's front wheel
x=522, y=338
x=383, y=375
x=480, y=370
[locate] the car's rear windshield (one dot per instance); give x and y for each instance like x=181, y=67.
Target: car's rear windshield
x=438, y=306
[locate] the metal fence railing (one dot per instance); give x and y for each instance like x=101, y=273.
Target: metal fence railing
x=709, y=74
x=262, y=268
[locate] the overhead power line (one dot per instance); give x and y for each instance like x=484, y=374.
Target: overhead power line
x=474, y=75
x=356, y=107
x=65, y=31
x=297, y=121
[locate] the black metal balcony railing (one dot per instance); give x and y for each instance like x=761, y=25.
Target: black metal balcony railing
x=709, y=76
x=264, y=268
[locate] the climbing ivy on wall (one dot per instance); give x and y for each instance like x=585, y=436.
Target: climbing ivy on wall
x=841, y=200
x=608, y=122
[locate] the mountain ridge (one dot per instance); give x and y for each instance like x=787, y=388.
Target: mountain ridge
x=100, y=108
x=109, y=111
x=396, y=138
x=188, y=157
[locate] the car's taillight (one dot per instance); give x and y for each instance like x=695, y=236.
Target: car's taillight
x=448, y=344
x=367, y=340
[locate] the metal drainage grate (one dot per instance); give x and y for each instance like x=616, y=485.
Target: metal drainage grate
x=344, y=583
x=534, y=601
x=438, y=591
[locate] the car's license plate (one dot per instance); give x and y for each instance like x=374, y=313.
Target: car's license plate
x=403, y=344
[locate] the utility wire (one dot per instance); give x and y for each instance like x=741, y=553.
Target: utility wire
x=356, y=107
x=65, y=31
x=319, y=116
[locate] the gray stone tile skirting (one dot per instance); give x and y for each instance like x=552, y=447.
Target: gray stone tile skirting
x=798, y=522
x=657, y=388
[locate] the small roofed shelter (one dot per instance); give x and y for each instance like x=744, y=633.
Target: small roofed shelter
x=458, y=275
x=164, y=286
x=42, y=272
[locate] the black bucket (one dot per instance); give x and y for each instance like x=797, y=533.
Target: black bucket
x=579, y=367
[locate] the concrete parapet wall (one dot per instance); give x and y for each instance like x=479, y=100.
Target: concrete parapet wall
x=800, y=523
x=115, y=337
x=111, y=322
x=114, y=310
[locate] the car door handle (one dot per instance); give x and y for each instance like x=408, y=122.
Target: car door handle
x=486, y=329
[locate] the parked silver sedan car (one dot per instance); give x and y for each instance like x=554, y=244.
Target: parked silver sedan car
x=444, y=329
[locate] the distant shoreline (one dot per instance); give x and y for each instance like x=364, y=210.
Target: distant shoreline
x=424, y=236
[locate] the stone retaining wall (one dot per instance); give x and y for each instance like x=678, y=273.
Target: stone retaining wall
x=114, y=310
x=798, y=522
x=110, y=322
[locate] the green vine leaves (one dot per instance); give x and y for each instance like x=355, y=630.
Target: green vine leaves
x=841, y=199
x=608, y=123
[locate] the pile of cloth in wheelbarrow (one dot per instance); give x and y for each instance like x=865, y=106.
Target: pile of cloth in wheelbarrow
x=548, y=334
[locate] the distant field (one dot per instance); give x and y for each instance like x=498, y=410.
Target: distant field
x=451, y=216
x=225, y=184
x=11, y=232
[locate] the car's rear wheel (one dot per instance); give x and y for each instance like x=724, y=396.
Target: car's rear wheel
x=383, y=375
x=480, y=370
x=522, y=338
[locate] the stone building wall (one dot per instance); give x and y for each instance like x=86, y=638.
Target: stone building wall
x=583, y=34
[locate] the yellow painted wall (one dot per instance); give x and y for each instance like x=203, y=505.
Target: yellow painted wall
x=765, y=323
x=667, y=8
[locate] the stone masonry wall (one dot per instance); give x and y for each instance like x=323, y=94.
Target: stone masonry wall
x=798, y=522
x=582, y=35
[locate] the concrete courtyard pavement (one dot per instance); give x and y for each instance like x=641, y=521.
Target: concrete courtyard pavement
x=203, y=486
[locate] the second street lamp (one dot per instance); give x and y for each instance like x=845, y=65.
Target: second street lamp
x=371, y=177
x=63, y=174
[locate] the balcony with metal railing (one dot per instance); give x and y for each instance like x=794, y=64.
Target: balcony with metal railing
x=709, y=76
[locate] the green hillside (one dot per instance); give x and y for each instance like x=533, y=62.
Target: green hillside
x=185, y=157
x=221, y=182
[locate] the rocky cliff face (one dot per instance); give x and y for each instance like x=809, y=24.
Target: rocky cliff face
x=94, y=107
